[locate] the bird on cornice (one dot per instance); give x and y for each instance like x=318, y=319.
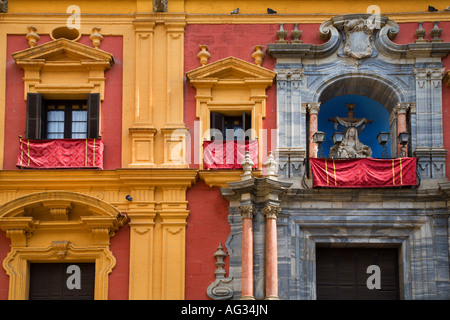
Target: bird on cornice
x=235, y=11
x=271, y=11
x=432, y=9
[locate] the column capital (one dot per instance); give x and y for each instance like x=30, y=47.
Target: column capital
x=433, y=73
x=402, y=107
x=247, y=211
x=289, y=74
x=313, y=107
x=271, y=211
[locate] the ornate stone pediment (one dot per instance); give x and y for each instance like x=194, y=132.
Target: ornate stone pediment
x=230, y=68
x=64, y=68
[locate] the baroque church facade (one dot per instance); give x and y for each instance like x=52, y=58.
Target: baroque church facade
x=171, y=150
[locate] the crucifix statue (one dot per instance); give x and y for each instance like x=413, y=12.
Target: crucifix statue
x=350, y=146
x=350, y=121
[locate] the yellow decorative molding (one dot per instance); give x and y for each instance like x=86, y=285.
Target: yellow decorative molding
x=17, y=260
x=64, y=69
x=220, y=178
x=32, y=216
x=174, y=147
x=223, y=7
x=142, y=146
x=36, y=236
x=230, y=86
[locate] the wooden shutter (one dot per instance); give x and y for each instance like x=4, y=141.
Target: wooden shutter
x=34, y=115
x=48, y=281
x=246, y=125
x=93, y=115
x=218, y=122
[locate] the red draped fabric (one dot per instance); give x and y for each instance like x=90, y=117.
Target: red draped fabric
x=60, y=153
x=228, y=154
x=364, y=173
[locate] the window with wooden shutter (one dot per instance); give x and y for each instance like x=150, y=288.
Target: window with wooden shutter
x=34, y=115
x=93, y=115
x=62, y=119
x=49, y=281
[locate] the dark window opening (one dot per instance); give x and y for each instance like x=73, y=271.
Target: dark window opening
x=55, y=281
x=230, y=127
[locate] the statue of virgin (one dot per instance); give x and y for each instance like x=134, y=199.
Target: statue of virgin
x=350, y=147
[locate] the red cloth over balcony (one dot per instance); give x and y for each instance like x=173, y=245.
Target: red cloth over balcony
x=61, y=153
x=364, y=173
x=228, y=154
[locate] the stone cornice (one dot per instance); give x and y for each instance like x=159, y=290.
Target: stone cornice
x=383, y=40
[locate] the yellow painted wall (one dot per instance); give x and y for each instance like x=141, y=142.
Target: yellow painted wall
x=333, y=7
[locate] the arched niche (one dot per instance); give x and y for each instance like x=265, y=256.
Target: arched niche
x=365, y=107
x=388, y=96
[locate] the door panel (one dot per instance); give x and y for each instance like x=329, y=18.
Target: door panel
x=341, y=273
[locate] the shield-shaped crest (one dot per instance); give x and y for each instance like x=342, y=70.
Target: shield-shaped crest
x=358, y=33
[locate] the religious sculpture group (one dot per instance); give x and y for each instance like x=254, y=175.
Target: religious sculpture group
x=350, y=146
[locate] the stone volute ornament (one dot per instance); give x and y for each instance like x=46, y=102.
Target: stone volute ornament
x=358, y=34
x=32, y=36
x=220, y=289
x=203, y=55
x=258, y=55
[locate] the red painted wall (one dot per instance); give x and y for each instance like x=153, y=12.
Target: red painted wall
x=119, y=278
x=15, y=116
x=207, y=226
x=4, y=279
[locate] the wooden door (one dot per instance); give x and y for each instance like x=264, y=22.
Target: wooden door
x=341, y=273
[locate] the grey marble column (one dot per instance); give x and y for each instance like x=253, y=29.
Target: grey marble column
x=291, y=122
x=429, y=137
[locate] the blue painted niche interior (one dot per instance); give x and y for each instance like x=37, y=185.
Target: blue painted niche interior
x=364, y=107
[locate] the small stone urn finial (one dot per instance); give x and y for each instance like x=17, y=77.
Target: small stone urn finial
x=247, y=166
x=258, y=55
x=32, y=36
x=436, y=33
x=270, y=166
x=96, y=37
x=281, y=34
x=203, y=55
x=296, y=34
x=420, y=34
